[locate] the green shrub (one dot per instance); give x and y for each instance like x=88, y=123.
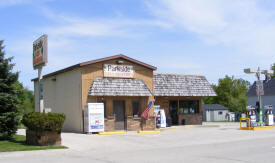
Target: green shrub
x=44, y=121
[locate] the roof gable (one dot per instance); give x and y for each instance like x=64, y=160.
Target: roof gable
x=97, y=61
x=117, y=57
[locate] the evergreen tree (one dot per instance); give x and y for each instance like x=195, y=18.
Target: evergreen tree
x=9, y=101
x=273, y=68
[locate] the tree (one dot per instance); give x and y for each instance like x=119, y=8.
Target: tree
x=230, y=93
x=9, y=101
x=273, y=68
x=26, y=99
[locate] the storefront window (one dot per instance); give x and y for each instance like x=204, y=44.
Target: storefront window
x=189, y=107
x=136, y=109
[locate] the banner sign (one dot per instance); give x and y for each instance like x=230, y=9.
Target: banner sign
x=97, y=122
x=260, y=88
x=40, y=52
x=123, y=71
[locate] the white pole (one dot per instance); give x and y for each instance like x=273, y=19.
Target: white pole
x=260, y=99
x=41, y=106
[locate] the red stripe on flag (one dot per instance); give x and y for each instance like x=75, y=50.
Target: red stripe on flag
x=145, y=113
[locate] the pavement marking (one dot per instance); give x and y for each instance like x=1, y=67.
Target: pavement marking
x=150, y=131
x=190, y=127
x=273, y=147
x=112, y=133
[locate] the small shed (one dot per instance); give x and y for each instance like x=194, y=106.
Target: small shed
x=214, y=112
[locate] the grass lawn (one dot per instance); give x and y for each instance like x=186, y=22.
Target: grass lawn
x=18, y=144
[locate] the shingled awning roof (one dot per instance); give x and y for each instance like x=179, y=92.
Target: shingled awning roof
x=181, y=85
x=119, y=87
x=269, y=88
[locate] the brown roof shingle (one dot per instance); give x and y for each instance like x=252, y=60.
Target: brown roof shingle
x=181, y=85
x=119, y=87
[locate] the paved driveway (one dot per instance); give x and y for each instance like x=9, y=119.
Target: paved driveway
x=199, y=144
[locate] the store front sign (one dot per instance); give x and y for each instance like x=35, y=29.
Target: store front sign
x=123, y=71
x=40, y=52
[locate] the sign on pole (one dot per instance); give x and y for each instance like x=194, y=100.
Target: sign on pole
x=40, y=52
x=40, y=59
x=259, y=88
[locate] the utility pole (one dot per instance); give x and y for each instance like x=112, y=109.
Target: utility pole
x=259, y=87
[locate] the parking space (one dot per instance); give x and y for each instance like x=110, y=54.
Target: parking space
x=221, y=142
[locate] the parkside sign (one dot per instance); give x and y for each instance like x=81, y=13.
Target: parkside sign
x=40, y=52
x=123, y=71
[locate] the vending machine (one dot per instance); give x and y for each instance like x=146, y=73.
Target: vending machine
x=160, y=113
x=94, y=117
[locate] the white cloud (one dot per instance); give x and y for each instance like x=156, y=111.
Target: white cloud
x=67, y=26
x=7, y=3
x=243, y=25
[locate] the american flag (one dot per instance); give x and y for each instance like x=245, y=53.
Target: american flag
x=145, y=113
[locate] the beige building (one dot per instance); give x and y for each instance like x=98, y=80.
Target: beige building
x=125, y=86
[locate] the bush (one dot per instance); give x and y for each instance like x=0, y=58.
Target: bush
x=44, y=121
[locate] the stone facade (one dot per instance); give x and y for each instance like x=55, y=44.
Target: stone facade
x=190, y=119
x=109, y=124
x=133, y=124
x=43, y=138
x=149, y=124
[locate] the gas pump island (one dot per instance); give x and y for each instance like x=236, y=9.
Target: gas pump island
x=269, y=119
x=251, y=112
x=251, y=120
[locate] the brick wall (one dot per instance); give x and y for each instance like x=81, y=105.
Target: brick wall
x=190, y=119
x=133, y=124
x=109, y=124
x=149, y=124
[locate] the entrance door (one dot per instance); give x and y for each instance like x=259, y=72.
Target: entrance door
x=173, y=108
x=212, y=116
x=119, y=114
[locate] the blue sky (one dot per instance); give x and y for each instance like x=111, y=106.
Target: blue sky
x=213, y=38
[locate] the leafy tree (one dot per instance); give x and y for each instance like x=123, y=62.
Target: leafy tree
x=230, y=93
x=26, y=99
x=9, y=101
x=273, y=68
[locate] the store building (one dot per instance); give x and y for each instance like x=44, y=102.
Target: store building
x=125, y=86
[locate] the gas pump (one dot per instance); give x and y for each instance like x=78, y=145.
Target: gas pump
x=268, y=115
x=252, y=115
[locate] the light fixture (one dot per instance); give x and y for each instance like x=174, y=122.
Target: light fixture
x=250, y=71
x=119, y=61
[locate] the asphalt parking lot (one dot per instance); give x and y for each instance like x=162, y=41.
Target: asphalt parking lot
x=222, y=143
